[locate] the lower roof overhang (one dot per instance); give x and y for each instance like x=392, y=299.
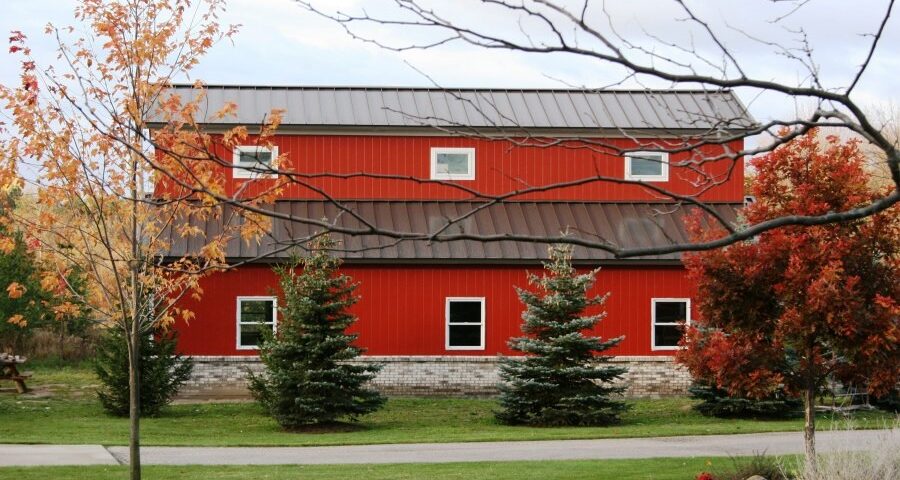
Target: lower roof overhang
x=621, y=225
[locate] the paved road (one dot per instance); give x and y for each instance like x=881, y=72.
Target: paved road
x=693, y=446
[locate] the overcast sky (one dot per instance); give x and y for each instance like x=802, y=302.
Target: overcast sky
x=282, y=44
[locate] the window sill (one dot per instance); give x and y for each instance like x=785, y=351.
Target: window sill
x=648, y=179
x=666, y=349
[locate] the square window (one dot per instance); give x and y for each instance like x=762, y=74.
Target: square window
x=669, y=315
x=647, y=166
x=253, y=161
x=453, y=164
x=254, y=315
x=465, y=323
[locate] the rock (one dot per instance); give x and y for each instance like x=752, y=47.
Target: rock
x=756, y=477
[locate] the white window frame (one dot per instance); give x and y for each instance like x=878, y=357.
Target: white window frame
x=653, y=324
x=240, y=170
x=447, y=303
x=238, y=322
x=435, y=151
x=664, y=163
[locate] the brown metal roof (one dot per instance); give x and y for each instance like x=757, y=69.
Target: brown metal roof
x=320, y=106
x=621, y=224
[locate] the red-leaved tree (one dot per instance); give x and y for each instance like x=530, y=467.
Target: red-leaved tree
x=799, y=305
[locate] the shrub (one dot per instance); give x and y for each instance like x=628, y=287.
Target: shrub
x=718, y=403
x=309, y=377
x=743, y=468
x=162, y=371
x=880, y=461
x=889, y=402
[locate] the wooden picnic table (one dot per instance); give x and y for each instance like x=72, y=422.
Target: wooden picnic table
x=9, y=370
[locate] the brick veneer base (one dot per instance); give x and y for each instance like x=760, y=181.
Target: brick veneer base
x=225, y=376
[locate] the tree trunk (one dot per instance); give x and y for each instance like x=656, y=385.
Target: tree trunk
x=137, y=317
x=809, y=426
x=62, y=342
x=134, y=399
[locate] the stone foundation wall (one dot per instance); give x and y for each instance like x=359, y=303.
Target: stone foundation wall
x=224, y=377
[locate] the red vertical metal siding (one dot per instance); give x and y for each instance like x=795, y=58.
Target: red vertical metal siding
x=500, y=167
x=401, y=311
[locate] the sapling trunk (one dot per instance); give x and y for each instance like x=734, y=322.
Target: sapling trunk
x=134, y=406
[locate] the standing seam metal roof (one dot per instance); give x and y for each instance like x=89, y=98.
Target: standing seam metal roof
x=478, y=108
x=625, y=225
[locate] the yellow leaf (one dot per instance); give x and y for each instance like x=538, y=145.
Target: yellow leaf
x=49, y=282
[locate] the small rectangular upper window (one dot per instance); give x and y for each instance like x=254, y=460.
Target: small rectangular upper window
x=251, y=161
x=465, y=323
x=669, y=317
x=647, y=166
x=452, y=163
x=254, y=314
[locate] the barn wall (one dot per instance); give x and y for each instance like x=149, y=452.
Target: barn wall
x=501, y=167
x=401, y=311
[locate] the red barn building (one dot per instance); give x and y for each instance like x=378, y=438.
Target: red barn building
x=438, y=314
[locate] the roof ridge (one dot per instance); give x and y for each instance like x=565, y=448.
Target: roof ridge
x=222, y=86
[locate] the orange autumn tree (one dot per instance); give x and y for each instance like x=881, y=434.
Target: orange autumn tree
x=799, y=305
x=79, y=135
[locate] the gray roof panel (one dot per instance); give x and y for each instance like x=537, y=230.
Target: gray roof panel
x=523, y=108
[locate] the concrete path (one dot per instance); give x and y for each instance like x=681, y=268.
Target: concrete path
x=29, y=455
x=693, y=446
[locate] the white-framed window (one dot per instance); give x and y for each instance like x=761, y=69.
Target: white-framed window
x=255, y=314
x=452, y=163
x=647, y=166
x=465, y=323
x=251, y=161
x=668, y=316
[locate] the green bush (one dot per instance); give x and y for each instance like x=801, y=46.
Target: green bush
x=889, y=402
x=718, y=403
x=309, y=377
x=162, y=371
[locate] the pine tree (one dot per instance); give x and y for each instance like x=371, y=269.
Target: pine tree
x=21, y=297
x=163, y=371
x=561, y=380
x=310, y=375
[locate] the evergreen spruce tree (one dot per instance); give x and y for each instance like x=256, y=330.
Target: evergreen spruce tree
x=21, y=297
x=561, y=380
x=309, y=379
x=163, y=371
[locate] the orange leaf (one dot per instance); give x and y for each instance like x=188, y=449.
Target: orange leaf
x=16, y=290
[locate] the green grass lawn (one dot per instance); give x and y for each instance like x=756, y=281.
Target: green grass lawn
x=655, y=469
x=72, y=415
